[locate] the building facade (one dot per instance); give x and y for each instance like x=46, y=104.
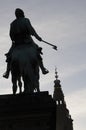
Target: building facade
x=63, y=118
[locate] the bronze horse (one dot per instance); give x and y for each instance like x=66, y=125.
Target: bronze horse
x=24, y=65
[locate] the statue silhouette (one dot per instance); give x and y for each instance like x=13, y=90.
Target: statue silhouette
x=21, y=31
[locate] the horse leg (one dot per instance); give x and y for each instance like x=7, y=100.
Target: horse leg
x=14, y=81
x=28, y=84
x=25, y=85
x=20, y=85
x=37, y=78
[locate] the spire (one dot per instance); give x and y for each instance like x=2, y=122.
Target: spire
x=56, y=76
x=58, y=93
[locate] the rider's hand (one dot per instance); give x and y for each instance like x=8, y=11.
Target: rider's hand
x=39, y=38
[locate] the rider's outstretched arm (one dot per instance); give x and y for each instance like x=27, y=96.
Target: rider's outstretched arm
x=32, y=31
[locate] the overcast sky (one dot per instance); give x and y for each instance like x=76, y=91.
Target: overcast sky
x=63, y=23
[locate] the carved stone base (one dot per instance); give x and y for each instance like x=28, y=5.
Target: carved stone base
x=27, y=112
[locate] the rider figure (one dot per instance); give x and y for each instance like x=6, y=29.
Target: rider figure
x=20, y=33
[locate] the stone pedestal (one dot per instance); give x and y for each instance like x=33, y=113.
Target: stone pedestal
x=27, y=112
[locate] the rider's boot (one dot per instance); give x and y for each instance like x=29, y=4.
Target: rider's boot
x=6, y=74
x=44, y=70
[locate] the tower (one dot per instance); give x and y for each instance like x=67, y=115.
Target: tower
x=63, y=118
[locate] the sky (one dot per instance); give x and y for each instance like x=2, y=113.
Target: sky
x=63, y=23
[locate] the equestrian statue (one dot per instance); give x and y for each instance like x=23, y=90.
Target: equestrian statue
x=24, y=57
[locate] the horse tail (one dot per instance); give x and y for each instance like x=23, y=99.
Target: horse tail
x=28, y=77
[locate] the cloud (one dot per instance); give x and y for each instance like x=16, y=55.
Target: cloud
x=72, y=70
x=76, y=103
